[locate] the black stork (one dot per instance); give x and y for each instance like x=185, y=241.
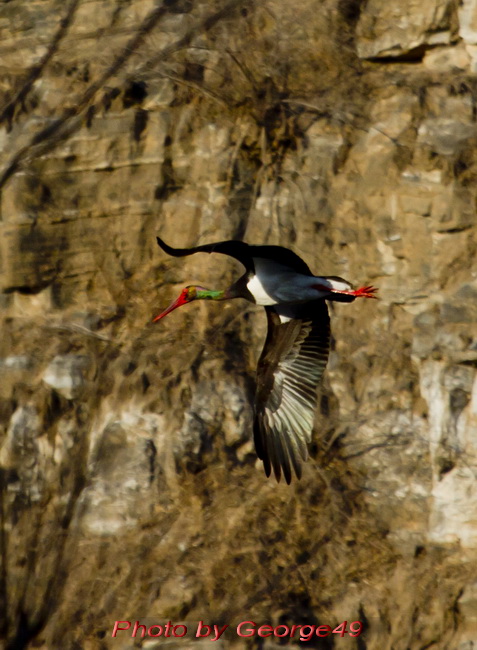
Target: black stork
x=297, y=344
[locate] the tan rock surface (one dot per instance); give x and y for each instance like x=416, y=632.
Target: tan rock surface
x=130, y=488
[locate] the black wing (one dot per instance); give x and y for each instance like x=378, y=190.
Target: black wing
x=289, y=370
x=243, y=253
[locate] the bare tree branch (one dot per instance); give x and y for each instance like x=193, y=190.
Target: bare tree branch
x=203, y=27
x=36, y=70
x=71, y=118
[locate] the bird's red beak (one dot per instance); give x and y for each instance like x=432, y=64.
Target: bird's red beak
x=181, y=300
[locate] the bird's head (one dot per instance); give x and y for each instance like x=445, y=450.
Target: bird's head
x=189, y=294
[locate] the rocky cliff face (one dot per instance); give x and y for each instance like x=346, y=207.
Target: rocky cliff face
x=130, y=489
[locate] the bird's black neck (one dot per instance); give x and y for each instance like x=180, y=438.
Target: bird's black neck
x=239, y=288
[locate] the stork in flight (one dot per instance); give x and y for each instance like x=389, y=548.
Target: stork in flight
x=297, y=344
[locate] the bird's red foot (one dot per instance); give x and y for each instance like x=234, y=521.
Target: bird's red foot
x=364, y=292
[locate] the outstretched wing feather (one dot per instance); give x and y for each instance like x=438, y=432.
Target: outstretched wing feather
x=233, y=248
x=290, y=368
x=244, y=253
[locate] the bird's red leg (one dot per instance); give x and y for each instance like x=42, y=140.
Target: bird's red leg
x=363, y=292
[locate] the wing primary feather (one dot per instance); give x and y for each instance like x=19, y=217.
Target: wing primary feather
x=290, y=367
x=244, y=253
x=282, y=457
x=239, y=250
x=273, y=454
x=294, y=456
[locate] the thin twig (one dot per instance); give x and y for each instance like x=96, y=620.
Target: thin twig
x=71, y=118
x=190, y=84
x=58, y=130
x=36, y=70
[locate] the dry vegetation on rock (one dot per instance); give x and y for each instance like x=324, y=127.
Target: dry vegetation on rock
x=129, y=485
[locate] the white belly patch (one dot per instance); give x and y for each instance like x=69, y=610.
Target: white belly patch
x=258, y=292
